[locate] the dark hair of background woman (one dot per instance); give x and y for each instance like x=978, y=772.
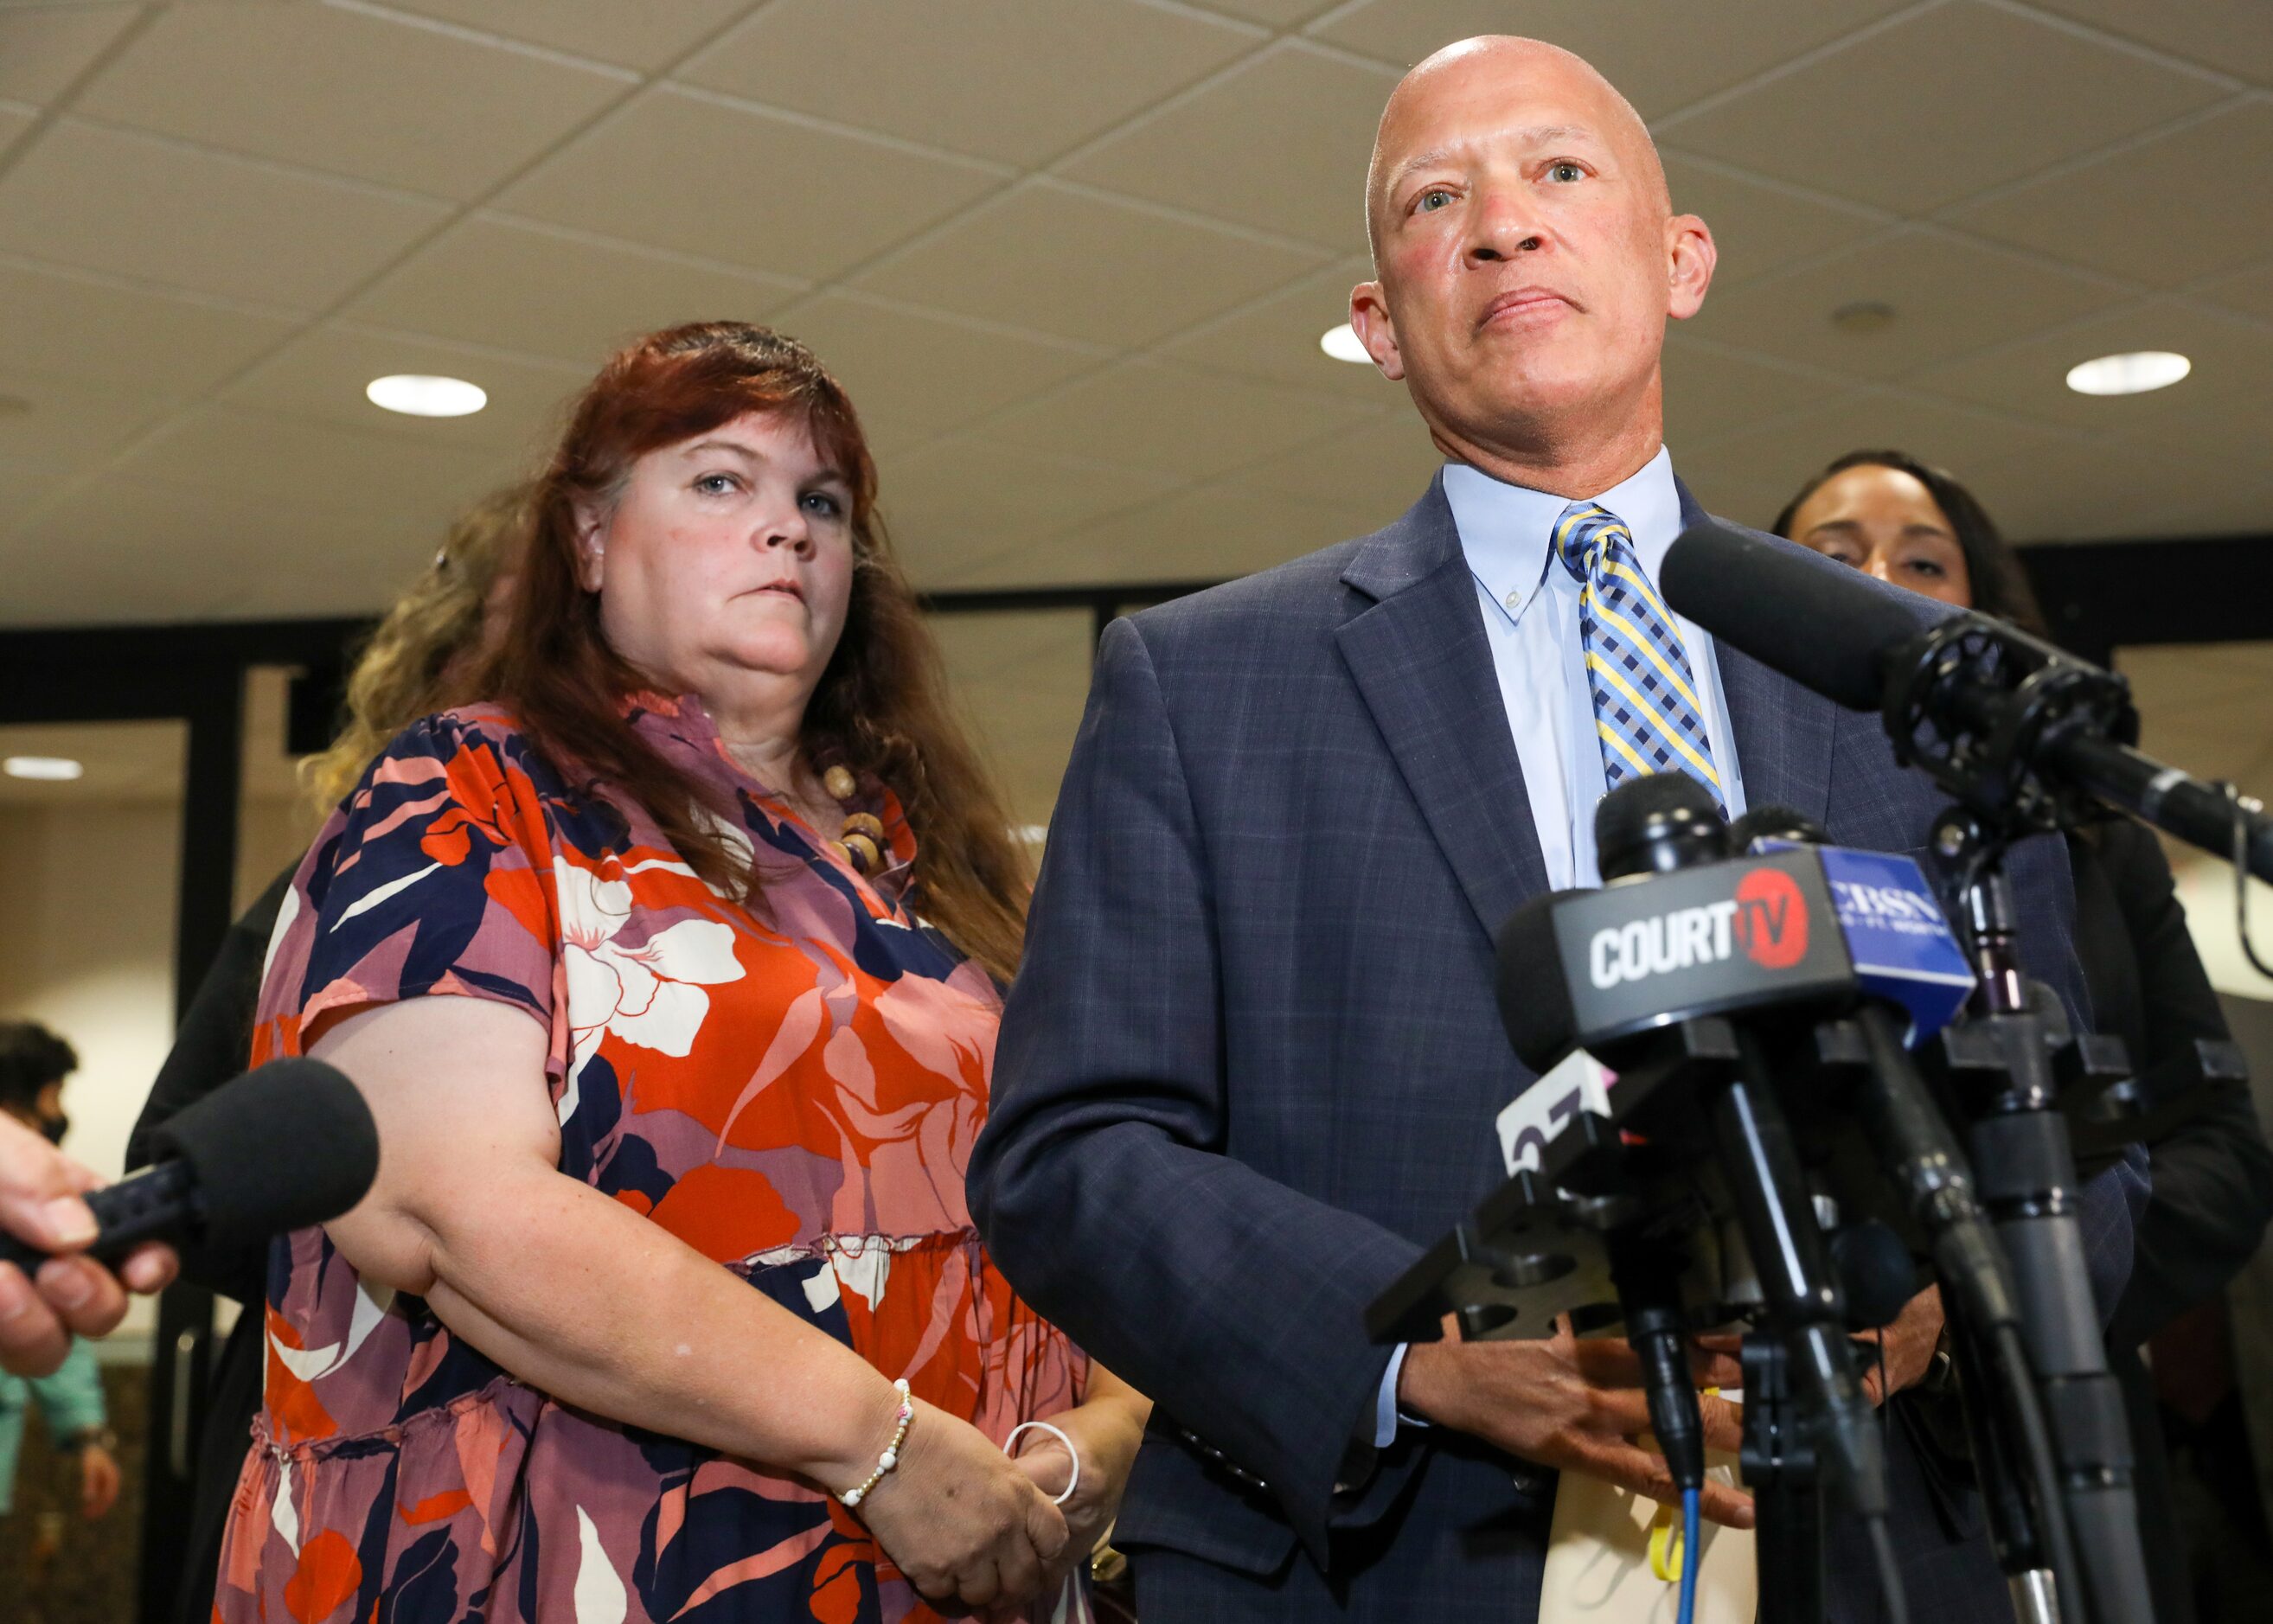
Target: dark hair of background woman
x=2001, y=585
x=31, y=1058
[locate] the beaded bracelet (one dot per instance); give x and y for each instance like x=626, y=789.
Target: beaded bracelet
x=890, y=1457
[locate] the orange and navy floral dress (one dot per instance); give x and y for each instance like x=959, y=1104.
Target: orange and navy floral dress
x=792, y=1091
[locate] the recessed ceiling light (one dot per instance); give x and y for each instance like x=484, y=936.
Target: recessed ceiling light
x=417, y=394
x=2132, y=373
x=53, y=769
x=1342, y=344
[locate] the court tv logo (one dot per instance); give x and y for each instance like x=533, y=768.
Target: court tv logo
x=1766, y=920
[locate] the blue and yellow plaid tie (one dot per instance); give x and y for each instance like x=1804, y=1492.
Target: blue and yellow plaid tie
x=1647, y=716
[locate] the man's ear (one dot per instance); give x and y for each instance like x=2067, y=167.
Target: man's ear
x=1369, y=319
x=591, y=545
x=1690, y=253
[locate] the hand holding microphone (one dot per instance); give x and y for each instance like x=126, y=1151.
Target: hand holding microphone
x=56, y=1294
x=286, y=1146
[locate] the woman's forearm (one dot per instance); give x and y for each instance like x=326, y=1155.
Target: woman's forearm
x=1105, y=1388
x=576, y=1294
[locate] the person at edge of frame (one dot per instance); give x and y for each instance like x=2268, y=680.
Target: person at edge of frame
x=1915, y=525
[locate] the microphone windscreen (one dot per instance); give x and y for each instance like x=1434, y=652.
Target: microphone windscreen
x=289, y=1144
x=1534, y=1004
x=1776, y=823
x=1660, y=821
x=1825, y=624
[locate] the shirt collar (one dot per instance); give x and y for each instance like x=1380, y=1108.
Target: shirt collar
x=1504, y=529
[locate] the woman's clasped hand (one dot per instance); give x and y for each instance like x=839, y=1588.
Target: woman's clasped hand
x=959, y=1518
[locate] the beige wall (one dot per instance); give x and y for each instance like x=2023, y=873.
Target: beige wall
x=2205, y=889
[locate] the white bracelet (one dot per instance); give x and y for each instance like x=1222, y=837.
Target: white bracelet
x=1072, y=1454
x=890, y=1457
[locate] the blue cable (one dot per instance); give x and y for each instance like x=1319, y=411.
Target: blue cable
x=1692, y=1555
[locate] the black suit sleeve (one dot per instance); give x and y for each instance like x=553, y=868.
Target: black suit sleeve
x=1102, y=1183
x=214, y=1043
x=2213, y=1178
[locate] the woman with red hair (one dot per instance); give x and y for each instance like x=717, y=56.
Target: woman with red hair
x=671, y=976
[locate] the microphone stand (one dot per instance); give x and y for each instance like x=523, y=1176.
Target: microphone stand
x=2001, y=1070
x=1779, y=1465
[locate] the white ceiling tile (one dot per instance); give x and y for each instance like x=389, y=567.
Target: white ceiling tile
x=2162, y=213
x=342, y=91
x=90, y=331
x=1278, y=340
x=2250, y=293
x=521, y=285
x=2229, y=36
x=1207, y=535
x=1760, y=228
x=43, y=50
x=319, y=377
x=646, y=37
x=71, y=423
x=1710, y=392
x=13, y=123
x=964, y=500
x=1380, y=467
x=1145, y=414
x=1305, y=178
x=374, y=476
x=2231, y=357
x=2091, y=490
x=1660, y=56
x=146, y=548
x=2226, y=507
x=937, y=74
x=1780, y=456
x=26, y=481
x=137, y=207
x=914, y=375
x=742, y=186
x=1274, y=13
x=1049, y=258
x=1948, y=297
x=1940, y=105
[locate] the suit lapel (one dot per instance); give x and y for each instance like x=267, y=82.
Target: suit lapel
x=1422, y=662
x=1783, y=731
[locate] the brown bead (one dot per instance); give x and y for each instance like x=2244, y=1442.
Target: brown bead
x=861, y=852
x=867, y=824
x=840, y=783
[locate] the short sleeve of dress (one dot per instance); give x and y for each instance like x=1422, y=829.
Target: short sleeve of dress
x=434, y=877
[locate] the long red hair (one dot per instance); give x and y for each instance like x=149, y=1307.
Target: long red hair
x=882, y=706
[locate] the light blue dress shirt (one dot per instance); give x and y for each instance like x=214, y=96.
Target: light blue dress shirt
x=1530, y=607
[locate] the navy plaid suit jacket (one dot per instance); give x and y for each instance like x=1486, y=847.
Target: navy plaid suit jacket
x=1249, y=1068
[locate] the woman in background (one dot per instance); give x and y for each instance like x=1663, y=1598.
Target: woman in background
x=1914, y=526
x=33, y=1065
x=417, y=661
x=672, y=977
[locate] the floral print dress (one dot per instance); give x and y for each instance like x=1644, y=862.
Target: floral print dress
x=791, y=1090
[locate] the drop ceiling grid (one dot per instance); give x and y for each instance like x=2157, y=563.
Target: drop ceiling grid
x=1315, y=42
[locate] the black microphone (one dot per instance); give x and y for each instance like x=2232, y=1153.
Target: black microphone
x=289, y=1144
x=2007, y=722
x=1680, y=932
